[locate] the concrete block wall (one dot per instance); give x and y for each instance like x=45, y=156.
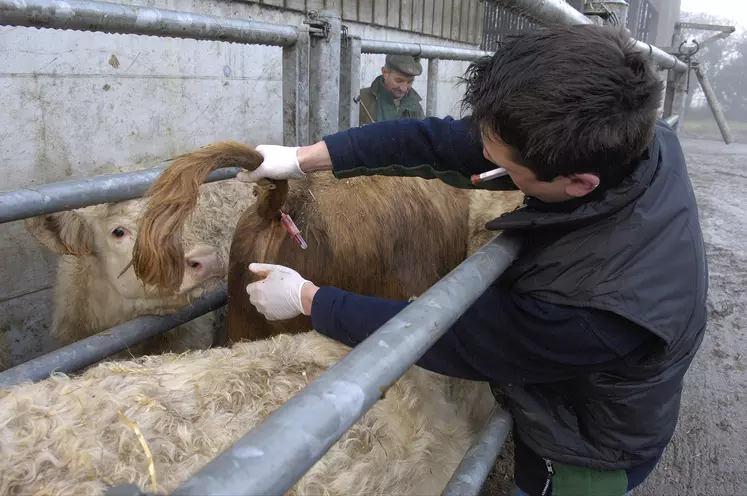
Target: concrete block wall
x=76, y=104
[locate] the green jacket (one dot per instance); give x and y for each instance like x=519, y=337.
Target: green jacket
x=376, y=104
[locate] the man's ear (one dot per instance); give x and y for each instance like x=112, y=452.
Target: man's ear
x=63, y=233
x=581, y=184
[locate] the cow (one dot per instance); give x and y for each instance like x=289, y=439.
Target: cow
x=484, y=206
x=96, y=290
x=390, y=237
x=156, y=420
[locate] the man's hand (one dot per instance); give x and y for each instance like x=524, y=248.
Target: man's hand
x=280, y=162
x=282, y=294
x=288, y=162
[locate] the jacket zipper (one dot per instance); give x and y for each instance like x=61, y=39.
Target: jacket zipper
x=550, y=473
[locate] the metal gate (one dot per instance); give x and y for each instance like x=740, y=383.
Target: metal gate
x=315, y=103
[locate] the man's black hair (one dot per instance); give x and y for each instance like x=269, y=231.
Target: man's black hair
x=567, y=99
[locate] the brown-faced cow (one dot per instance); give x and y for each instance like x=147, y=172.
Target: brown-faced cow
x=390, y=237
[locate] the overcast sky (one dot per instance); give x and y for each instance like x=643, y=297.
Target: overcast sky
x=735, y=10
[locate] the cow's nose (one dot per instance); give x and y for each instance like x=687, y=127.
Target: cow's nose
x=202, y=262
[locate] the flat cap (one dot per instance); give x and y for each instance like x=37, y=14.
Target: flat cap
x=406, y=64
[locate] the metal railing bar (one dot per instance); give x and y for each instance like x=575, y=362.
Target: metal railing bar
x=114, y=18
x=77, y=193
x=272, y=456
x=469, y=477
x=95, y=348
x=672, y=121
x=424, y=51
x=558, y=12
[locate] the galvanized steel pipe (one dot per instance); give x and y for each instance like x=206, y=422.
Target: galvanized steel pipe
x=106, y=17
x=558, y=12
x=350, y=82
x=672, y=121
x=431, y=95
x=67, y=195
x=270, y=458
x=710, y=95
x=424, y=51
x=470, y=475
x=92, y=349
x=324, y=79
x=296, y=91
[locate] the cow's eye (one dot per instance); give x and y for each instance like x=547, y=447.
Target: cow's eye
x=118, y=232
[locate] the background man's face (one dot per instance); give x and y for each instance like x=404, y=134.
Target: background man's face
x=396, y=82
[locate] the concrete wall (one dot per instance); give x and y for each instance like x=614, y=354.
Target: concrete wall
x=669, y=13
x=78, y=104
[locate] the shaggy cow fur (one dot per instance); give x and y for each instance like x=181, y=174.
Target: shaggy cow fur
x=389, y=237
x=484, y=206
x=66, y=436
x=92, y=293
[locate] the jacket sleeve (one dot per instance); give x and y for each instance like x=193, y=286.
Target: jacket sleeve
x=502, y=337
x=446, y=149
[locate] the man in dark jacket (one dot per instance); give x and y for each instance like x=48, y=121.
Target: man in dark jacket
x=391, y=95
x=588, y=334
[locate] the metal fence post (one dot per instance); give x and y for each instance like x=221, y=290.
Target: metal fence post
x=92, y=349
x=549, y=12
x=350, y=82
x=431, y=97
x=718, y=114
x=296, y=91
x=324, y=80
x=608, y=13
x=676, y=85
x=469, y=477
x=273, y=455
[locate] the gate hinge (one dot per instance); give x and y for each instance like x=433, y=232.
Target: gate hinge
x=318, y=28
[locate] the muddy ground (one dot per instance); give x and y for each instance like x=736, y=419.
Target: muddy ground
x=708, y=454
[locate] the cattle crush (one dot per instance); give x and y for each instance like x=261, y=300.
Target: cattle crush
x=321, y=78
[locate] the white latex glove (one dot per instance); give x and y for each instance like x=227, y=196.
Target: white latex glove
x=277, y=296
x=280, y=162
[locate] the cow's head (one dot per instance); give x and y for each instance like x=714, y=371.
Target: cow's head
x=105, y=235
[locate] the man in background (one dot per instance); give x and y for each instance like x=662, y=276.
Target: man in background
x=391, y=95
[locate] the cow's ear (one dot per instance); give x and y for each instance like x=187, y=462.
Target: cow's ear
x=64, y=233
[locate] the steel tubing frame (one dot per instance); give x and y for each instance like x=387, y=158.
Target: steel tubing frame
x=67, y=195
x=283, y=447
x=420, y=50
x=710, y=95
x=350, y=82
x=324, y=80
x=114, y=18
x=94, y=348
x=558, y=12
x=288, y=442
x=470, y=474
x=431, y=92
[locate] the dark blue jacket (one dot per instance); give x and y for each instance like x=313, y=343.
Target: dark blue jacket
x=507, y=337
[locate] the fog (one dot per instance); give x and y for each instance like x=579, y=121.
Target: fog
x=725, y=63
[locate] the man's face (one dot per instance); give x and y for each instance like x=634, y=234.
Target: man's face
x=560, y=189
x=396, y=82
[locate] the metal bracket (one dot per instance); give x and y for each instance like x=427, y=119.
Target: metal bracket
x=318, y=28
x=343, y=35
x=688, y=57
x=601, y=11
x=706, y=27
